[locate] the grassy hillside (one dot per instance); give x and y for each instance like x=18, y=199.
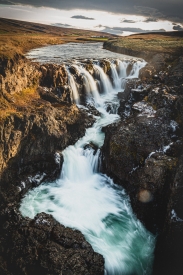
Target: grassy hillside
x=19, y=36
x=168, y=42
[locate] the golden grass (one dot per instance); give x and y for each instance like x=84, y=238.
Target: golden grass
x=20, y=37
x=11, y=44
x=6, y=108
x=14, y=104
x=25, y=97
x=151, y=43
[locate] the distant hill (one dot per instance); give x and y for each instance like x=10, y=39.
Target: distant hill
x=18, y=37
x=15, y=26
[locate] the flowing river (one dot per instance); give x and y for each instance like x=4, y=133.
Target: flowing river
x=83, y=198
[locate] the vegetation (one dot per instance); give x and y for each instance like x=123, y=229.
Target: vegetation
x=168, y=42
x=18, y=102
x=96, y=39
x=19, y=36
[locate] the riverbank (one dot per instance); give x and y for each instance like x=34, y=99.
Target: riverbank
x=35, y=126
x=144, y=152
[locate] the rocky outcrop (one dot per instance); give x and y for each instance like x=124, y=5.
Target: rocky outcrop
x=169, y=246
x=127, y=156
x=143, y=153
x=17, y=74
x=29, y=142
x=43, y=246
x=33, y=137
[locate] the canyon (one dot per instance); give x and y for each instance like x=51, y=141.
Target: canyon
x=142, y=152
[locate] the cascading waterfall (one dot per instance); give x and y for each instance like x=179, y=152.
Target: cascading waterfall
x=90, y=83
x=85, y=199
x=136, y=68
x=75, y=94
x=122, y=71
x=122, y=67
x=115, y=77
x=105, y=83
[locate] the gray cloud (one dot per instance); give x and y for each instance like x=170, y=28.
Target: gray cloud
x=128, y=21
x=151, y=19
x=62, y=25
x=82, y=17
x=120, y=30
x=5, y=2
x=178, y=28
x=164, y=9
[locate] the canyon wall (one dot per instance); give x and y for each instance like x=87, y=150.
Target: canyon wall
x=36, y=126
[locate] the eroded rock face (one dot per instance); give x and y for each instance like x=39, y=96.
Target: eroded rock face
x=43, y=246
x=17, y=74
x=169, y=247
x=127, y=156
x=32, y=139
x=143, y=153
x=31, y=152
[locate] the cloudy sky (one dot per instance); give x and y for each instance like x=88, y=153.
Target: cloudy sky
x=115, y=16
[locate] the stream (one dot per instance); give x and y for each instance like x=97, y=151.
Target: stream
x=83, y=198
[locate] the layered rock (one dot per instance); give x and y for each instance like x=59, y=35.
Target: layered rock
x=33, y=135
x=17, y=74
x=143, y=152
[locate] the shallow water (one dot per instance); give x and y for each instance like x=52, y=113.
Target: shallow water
x=85, y=199
x=70, y=51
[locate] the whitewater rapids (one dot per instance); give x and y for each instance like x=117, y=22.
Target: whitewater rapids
x=85, y=199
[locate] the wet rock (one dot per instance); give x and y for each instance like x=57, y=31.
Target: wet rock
x=142, y=108
x=160, y=97
x=48, y=95
x=92, y=110
x=175, y=73
x=155, y=182
x=44, y=246
x=105, y=64
x=170, y=242
x=91, y=146
x=148, y=72
x=53, y=75
x=139, y=93
x=130, y=143
x=89, y=68
x=127, y=157
x=129, y=68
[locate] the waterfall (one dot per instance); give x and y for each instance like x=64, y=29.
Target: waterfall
x=91, y=85
x=85, y=199
x=136, y=68
x=105, y=83
x=122, y=72
x=75, y=94
x=122, y=67
x=115, y=77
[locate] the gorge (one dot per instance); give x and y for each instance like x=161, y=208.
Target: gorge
x=141, y=151
x=85, y=199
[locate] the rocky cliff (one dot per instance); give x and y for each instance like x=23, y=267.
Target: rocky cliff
x=143, y=152
x=36, y=124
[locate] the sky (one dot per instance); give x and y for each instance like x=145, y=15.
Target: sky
x=121, y=17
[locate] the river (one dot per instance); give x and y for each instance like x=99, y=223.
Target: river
x=83, y=198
